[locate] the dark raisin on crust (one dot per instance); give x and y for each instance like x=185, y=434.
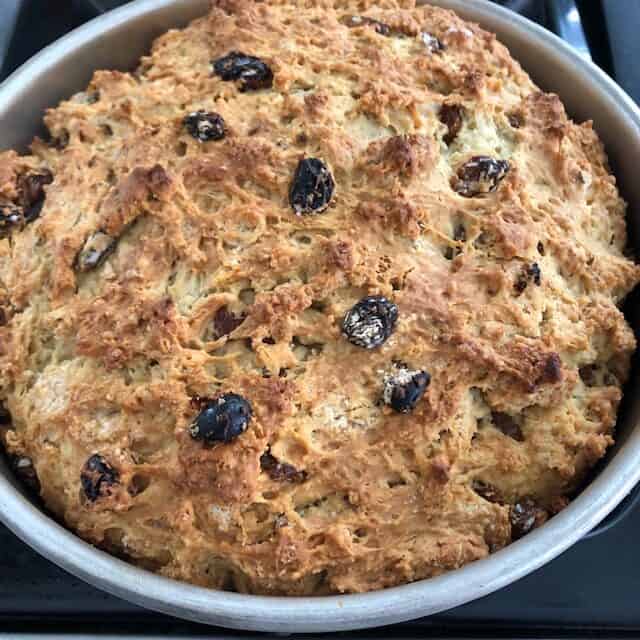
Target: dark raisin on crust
x=529, y=273
x=280, y=471
x=14, y=216
x=60, y=142
x=459, y=235
x=205, y=125
x=486, y=491
x=5, y=416
x=479, y=176
x=281, y=521
x=507, y=425
x=33, y=213
x=404, y=388
x=451, y=116
x=588, y=373
x=26, y=473
x=432, y=43
x=11, y=218
x=552, y=370
x=535, y=273
x=311, y=188
x=363, y=21
x=525, y=515
x=370, y=322
x=540, y=248
x=516, y=119
x=98, y=477
x=252, y=72
x=96, y=249
x=222, y=419
x=31, y=190
x=224, y=322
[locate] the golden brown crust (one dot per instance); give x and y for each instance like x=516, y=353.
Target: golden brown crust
x=212, y=284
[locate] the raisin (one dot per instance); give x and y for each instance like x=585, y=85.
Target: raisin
x=525, y=515
x=507, y=425
x=97, y=248
x=459, y=235
x=552, y=370
x=486, y=491
x=3, y=318
x=98, y=477
x=535, y=274
x=479, y=175
x=440, y=469
x=26, y=472
x=5, y=416
x=404, y=388
x=431, y=43
x=370, y=322
x=31, y=186
x=451, y=116
x=31, y=190
x=222, y=419
x=520, y=285
x=312, y=187
x=540, y=248
x=252, y=72
x=281, y=521
x=588, y=375
x=516, y=120
x=224, y=322
x=363, y=21
x=280, y=471
x=205, y=125
x=11, y=218
x=60, y=142
x=530, y=273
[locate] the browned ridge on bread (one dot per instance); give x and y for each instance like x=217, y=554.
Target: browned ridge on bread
x=324, y=297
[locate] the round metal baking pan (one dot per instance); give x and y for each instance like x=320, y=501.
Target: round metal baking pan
x=116, y=40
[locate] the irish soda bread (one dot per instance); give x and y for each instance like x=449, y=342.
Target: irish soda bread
x=323, y=297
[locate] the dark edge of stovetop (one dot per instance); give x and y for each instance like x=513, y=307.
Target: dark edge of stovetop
x=402, y=631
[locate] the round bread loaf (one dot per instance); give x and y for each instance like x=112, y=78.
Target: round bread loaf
x=324, y=297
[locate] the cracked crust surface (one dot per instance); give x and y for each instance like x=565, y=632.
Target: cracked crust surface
x=509, y=300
